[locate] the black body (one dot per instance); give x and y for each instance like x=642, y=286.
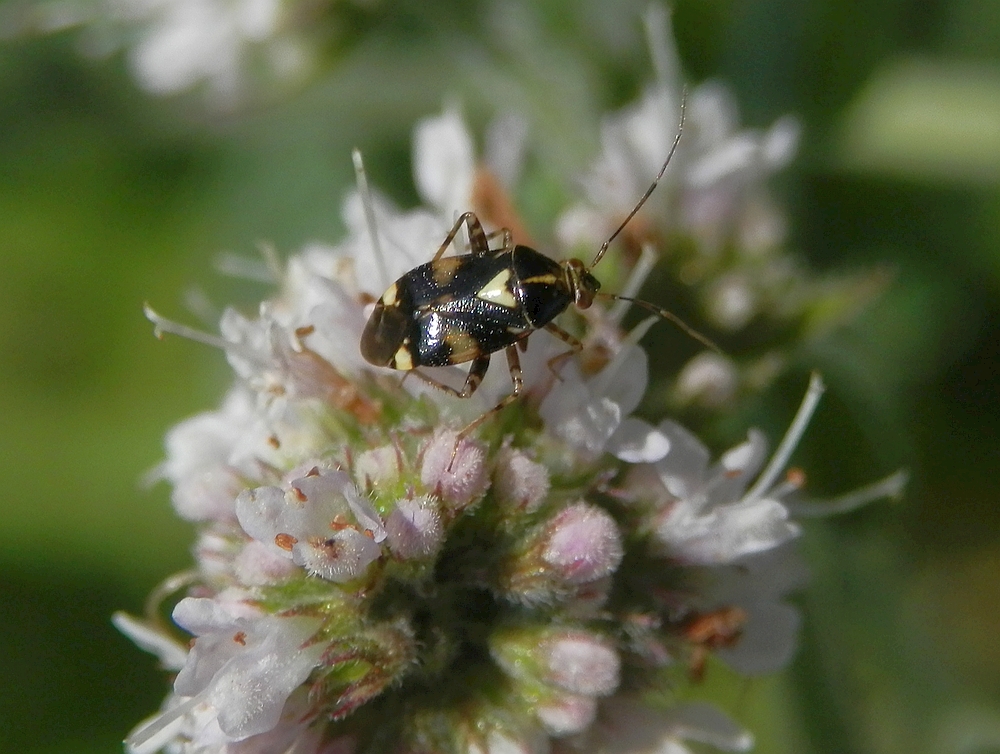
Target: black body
x=455, y=309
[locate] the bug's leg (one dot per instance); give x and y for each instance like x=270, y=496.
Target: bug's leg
x=508, y=239
x=514, y=365
x=477, y=236
x=472, y=380
x=574, y=343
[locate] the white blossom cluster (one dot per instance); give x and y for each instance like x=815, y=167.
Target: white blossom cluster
x=368, y=579
x=716, y=225
x=224, y=47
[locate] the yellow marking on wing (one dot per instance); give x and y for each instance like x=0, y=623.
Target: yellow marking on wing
x=463, y=345
x=389, y=297
x=402, y=359
x=444, y=269
x=498, y=291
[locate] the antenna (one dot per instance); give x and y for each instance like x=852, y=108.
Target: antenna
x=668, y=315
x=649, y=191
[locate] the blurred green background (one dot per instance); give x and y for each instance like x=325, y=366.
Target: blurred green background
x=110, y=197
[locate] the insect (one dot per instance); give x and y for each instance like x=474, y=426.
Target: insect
x=713, y=630
x=459, y=309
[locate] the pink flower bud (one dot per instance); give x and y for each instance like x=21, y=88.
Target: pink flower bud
x=414, y=529
x=582, y=663
x=519, y=484
x=566, y=714
x=583, y=544
x=454, y=469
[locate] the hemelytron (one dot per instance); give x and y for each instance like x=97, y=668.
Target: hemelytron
x=465, y=308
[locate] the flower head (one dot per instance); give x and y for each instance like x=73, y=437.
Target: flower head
x=379, y=566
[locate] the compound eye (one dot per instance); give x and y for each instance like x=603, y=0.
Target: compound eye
x=583, y=298
x=585, y=289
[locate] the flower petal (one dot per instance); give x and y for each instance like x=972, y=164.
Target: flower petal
x=443, y=162
x=636, y=441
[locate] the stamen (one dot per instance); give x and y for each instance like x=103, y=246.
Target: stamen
x=163, y=325
x=137, y=740
x=790, y=440
x=169, y=586
x=794, y=480
x=890, y=487
x=238, y=266
x=361, y=178
x=636, y=279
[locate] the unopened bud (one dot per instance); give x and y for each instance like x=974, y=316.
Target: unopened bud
x=414, y=528
x=519, y=484
x=583, y=544
x=454, y=469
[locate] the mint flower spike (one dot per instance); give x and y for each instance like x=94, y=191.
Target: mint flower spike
x=550, y=584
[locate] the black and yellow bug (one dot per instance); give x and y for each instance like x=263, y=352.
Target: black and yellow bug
x=465, y=308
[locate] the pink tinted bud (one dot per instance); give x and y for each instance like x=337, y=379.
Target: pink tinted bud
x=583, y=544
x=566, y=714
x=454, y=469
x=582, y=663
x=414, y=529
x=519, y=484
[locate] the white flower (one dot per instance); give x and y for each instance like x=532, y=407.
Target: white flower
x=714, y=179
x=155, y=640
x=709, y=520
x=241, y=670
x=758, y=586
x=320, y=522
x=444, y=162
x=710, y=516
x=208, y=456
x=178, y=45
x=627, y=726
x=591, y=413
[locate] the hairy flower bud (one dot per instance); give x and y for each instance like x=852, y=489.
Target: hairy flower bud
x=519, y=484
x=454, y=469
x=414, y=528
x=572, y=661
x=577, y=547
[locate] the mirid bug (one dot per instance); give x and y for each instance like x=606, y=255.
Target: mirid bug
x=465, y=308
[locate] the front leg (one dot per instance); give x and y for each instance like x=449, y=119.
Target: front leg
x=555, y=363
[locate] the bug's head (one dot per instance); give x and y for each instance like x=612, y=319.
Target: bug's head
x=583, y=285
